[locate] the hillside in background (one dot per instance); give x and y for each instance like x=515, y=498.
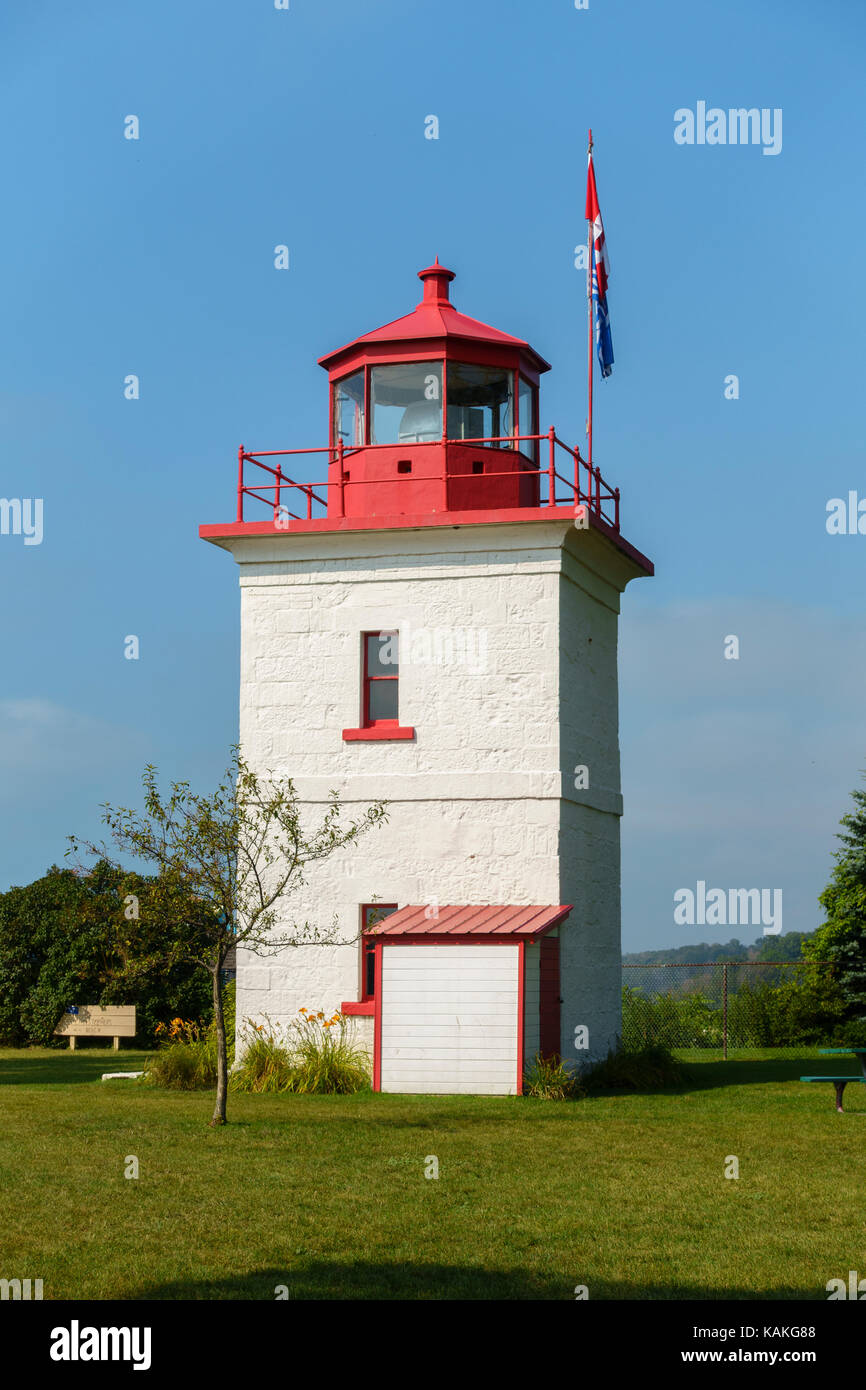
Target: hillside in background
x=783, y=947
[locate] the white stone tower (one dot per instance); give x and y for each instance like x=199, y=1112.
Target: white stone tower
x=435, y=625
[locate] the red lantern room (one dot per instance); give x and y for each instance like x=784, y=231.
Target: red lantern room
x=434, y=420
x=434, y=412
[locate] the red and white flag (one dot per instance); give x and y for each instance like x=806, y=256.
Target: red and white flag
x=600, y=273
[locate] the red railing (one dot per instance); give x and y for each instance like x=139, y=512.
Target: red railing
x=584, y=487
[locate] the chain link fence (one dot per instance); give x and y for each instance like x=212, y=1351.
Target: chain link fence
x=731, y=1008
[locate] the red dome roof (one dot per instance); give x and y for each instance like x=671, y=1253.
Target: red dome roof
x=436, y=317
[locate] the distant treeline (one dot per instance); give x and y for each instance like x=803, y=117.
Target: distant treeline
x=786, y=946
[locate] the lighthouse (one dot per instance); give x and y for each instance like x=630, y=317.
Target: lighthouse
x=429, y=610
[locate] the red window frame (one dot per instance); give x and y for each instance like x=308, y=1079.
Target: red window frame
x=366, y=721
x=368, y=946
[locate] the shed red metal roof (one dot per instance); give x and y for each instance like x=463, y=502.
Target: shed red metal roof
x=471, y=921
x=436, y=317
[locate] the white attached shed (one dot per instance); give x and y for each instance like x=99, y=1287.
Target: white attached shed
x=465, y=996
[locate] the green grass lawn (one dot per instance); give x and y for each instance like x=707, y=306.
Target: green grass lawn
x=623, y=1193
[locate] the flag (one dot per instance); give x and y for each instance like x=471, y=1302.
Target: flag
x=599, y=269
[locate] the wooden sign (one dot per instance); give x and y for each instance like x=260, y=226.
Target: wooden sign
x=97, y=1021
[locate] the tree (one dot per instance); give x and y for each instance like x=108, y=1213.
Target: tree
x=44, y=962
x=66, y=938
x=788, y=946
x=224, y=862
x=842, y=938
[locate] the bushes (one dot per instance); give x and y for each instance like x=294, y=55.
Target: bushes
x=850, y=1034
x=265, y=1061
x=642, y=1069
x=66, y=939
x=669, y=1020
x=645, y=1069
x=803, y=1011
x=800, y=1008
x=315, y=1055
x=49, y=957
x=187, y=1059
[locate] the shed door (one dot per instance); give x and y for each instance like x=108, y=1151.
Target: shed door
x=449, y=1019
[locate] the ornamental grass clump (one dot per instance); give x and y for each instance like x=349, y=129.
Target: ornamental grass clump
x=547, y=1078
x=187, y=1057
x=316, y=1055
x=265, y=1063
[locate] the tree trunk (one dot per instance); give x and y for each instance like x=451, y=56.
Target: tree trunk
x=219, y=1110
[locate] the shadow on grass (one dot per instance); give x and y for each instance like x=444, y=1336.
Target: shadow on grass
x=67, y=1068
x=333, y=1281
x=701, y=1076
x=86, y=1066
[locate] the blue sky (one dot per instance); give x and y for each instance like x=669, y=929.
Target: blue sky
x=306, y=127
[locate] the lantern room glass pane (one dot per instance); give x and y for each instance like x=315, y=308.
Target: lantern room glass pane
x=406, y=403
x=349, y=410
x=528, y=420
x=480, y=402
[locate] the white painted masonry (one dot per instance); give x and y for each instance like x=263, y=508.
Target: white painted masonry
x=482, y=804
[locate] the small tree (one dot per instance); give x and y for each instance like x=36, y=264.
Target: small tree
x=234, y=855
x=842, y=938
x=67, y=938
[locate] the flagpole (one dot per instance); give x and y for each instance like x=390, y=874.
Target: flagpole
x=589, y=322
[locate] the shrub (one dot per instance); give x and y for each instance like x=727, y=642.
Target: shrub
x=804, y=1009
x=670, y=1020
x=547, y=1078
x=181, y=1066
x=850, y=1034
x=801, y=1007
x=65, y=939
x=644, y=1069
x=187, y=1059
x=265, y=1063
x=316, y=1056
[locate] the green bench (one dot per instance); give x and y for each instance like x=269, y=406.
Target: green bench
x=840, y=1082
